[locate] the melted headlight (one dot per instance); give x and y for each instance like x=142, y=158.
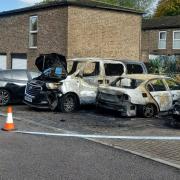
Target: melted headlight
x=53, y=85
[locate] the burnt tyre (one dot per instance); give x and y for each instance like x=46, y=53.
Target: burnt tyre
x=4, y=97
x=69, y=103
x=149, y=110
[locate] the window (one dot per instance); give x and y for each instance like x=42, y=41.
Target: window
x=126, y=83
x=113, y=69
x=156, y=85
x=176, y=40
x=33, y=29
x=91, y=69
x=134, y=69
x=162, y=40
x=19, y=75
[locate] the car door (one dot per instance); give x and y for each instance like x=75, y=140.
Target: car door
x=174, y=88
x=89, y=82
x=18, y=83
x=161, y=94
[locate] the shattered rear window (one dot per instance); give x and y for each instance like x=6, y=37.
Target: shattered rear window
x=126, y=83
x=113, y=69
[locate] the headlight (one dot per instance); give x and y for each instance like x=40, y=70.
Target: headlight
x=53, y=85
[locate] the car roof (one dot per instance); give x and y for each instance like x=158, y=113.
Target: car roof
x=144, y=76
x=91, y=59
x=106, y=60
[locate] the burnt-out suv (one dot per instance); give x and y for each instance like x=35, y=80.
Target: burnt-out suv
x=67, y=85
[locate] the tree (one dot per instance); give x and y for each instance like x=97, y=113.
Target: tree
x=167, y=8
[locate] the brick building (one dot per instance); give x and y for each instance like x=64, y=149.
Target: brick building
x=73, y=28
x=161, y=36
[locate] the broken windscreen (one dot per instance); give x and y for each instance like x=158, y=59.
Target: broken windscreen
x=54, y=73
x=126, y=83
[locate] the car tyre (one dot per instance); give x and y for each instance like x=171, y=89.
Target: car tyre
x=149, y=110
x=69, y=103
x=4, y=97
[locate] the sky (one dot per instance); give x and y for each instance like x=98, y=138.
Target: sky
x=6, y=5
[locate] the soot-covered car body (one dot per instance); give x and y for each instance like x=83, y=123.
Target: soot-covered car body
x=137, y=93
x=13, y=83
x=66, y=85
x=176, y=110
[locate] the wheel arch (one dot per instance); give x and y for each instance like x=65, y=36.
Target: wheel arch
x=74, y=94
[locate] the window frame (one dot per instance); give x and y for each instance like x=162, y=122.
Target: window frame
x=162, y=39
x=175, y=39
x=32, y=32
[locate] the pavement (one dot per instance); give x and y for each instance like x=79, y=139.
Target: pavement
x=89, y=122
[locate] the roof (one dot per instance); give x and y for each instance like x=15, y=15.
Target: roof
x=165, y=22
x=94, y=59
x=143, y=77
x=61, y=3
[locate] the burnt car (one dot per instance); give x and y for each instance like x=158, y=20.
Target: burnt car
x=138, y=93
x=13, y=83
x=176, y=110
x=66, y=85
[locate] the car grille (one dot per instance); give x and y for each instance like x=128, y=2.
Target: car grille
x=32, y=89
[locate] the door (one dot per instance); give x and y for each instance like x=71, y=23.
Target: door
x=19, y=61
x=160, y=94
x=3, y=62
x=89, y=82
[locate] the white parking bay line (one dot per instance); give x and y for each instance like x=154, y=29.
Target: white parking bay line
x=175, y=138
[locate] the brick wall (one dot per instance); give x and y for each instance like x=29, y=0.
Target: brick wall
x=73, y=32
x=100, y=33
x=52, y=34
x=150, y=39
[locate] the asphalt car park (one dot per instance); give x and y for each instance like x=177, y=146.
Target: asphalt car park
x=88, y=121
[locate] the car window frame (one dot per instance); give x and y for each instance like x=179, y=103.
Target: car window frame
x=162, y=79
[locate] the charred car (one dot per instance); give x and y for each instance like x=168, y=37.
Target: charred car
x=67, y=85
x=137, y=93
x=13, y=83
x=176, y=110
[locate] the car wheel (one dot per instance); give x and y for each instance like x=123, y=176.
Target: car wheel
x=4, y=97
x=69, y=103
x=149, y=110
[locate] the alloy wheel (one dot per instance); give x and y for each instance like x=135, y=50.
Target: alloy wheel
x=69, y=104
x=148, y=110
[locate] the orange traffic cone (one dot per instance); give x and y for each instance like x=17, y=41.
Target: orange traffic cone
x=9, y=125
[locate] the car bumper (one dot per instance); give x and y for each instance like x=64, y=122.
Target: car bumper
x=39, y=101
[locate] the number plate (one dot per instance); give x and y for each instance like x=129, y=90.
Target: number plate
x=28, y=99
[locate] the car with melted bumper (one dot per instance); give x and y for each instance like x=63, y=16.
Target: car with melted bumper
x=138, y=93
